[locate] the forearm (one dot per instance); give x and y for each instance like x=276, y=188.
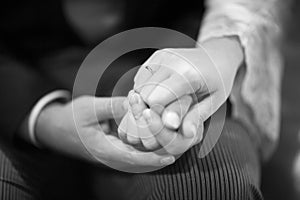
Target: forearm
x=242, y=18
x=256, y=92
x=255, y=25
x=227, y=55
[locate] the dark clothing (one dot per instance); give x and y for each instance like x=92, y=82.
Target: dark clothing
x=40, y=52
x=230, y=172
x=12, y=185
x=34, y=33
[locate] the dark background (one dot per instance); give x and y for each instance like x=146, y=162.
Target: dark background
x=278, y=177
x=69, y=179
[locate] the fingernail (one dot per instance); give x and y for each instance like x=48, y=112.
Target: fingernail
x=171, y=119
x=147, y=114
x=168, y=160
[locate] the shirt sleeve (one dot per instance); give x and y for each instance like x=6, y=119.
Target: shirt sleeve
x=256, y=92
x=21, y=87
x=62, y=95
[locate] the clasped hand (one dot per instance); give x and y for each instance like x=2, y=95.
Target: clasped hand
x=175, y=92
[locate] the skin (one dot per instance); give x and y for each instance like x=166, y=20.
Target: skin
x=56, y=128
x=135, y=129
x=206, y=74
x=73, y=129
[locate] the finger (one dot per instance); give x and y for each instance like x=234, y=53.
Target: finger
x=174, y=113
x=137, y=105
x=122, y=129
x=194, y=119
x=109, y=108
x=169, y=90
x=142, y=76
x=134, y=112
x=125, y=157
x=156, y=126
x=162, y=74
x=144, y=73
x=173, y=142
x=132, y=130
x=105, y=126
x=152, y=159
x=145, y=135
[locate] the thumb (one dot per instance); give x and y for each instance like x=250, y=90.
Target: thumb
x=109, y=108
x=198, y=114
x=174, y=113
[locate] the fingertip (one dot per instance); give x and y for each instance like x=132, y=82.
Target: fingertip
x=189, y=129
x=117, y=108
x=147, y=115
x=192, y=132
x=152, y=119
x=153, y=98
x=131, y=92
x=145, y=91
x=168, y=160
x=132, y=140
x=134, y=99
x=171, y=120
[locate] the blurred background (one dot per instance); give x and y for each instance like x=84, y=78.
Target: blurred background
x=279, y=178
x=56, y=37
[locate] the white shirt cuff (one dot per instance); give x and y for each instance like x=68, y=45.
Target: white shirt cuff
x=39, y=106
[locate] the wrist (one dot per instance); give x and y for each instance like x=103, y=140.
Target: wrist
x=226, y=50
x=55, y=96
x=56, y=130
x=48, y=123
x=227, y=55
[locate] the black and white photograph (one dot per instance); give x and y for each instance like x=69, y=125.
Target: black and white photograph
x=150, y=100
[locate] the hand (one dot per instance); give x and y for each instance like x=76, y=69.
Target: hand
x=142, y=127
x=74, y=129
x=133, y=127
x=206, y=74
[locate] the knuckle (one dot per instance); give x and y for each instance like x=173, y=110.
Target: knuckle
x=160, y=52
x=157, y=55
x=83, y=98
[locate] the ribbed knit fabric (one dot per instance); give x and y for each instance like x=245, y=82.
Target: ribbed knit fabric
x=12, y=186
x=230, y=172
